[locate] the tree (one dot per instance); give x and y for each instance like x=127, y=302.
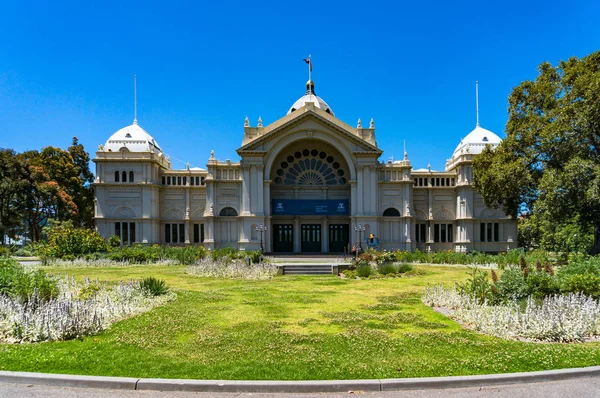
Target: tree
x=12, y=184
x=548, y=167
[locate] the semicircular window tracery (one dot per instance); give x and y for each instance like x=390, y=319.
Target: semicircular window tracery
x=310, y=167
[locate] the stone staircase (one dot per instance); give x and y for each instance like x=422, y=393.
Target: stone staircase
x=305, y=269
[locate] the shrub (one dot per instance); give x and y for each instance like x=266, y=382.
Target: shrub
x=228, y=253
x=349, y=274
x=154, y=287
x=66, y=241
x=114, y=241
x=404, y=268
x=22, y=285
x=511, y=285
x=387, y=268
x=256, y=256
x=587, y=284
x=477, y=285
x=539, y=284
x=365, y=270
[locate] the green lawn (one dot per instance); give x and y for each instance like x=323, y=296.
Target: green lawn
x=290, y=328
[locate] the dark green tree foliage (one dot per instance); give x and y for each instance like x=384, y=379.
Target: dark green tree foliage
x=39, y=186
x=12, y=184
x=547, y=169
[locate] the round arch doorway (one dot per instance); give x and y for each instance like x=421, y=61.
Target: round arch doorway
x=310, y=199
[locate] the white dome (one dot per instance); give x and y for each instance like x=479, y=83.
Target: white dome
x=310, y=96
x=476, y=140
x=134, y=138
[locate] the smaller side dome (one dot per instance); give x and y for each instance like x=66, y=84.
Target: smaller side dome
x=476, y=140
x=132, y=138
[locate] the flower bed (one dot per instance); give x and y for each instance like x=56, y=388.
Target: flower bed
x=560, y=318
x=233, y=269
x=81, y=309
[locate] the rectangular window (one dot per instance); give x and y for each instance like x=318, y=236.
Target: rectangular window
x=417, y=232
x=174, y=233
x=453, y=182
x=178, y=180
x=201, y=180
x=436, y=233
x=489, y=232
x=164, y=180
x=423, y=232
x=167, y=233
x=191, y=180
x=201, y=232
x=181, y=233
x=169, y=180
x=196, y=233
x=184, y=180
x=118, y=229
x=496, y=232
x=443, y=233
x=132, y=232
x=450, y=233
x=125, y=235
x=482, y=232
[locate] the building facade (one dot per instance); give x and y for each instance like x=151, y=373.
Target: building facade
x=312, y=181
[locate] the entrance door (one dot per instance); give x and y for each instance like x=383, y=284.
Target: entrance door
x=283, y=238
x=310, y=238
x=338, y=237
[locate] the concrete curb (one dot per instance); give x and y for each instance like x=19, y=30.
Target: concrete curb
x=123, y=383
x=286, y=386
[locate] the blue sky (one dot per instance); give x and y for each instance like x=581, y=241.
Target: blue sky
x=67, y=69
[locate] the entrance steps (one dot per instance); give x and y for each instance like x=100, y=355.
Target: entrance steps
x=305, y=269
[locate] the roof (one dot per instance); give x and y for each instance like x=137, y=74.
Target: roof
x=476, y=141
x=133, y=138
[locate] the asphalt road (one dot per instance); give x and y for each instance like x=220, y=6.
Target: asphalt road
x=574, y=388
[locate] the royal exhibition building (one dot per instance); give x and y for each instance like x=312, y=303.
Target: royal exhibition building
x=306, y=183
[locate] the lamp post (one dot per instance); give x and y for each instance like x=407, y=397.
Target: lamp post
x=360, y=229
x=261, y=229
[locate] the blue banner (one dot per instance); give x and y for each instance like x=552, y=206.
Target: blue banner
x=310, y=207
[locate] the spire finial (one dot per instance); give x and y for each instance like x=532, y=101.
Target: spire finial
x=372, y=124
x=405, y=153
x=246, y=122
x=359, y=124
x=134, y=100
x=477, y=100
x=259, y=122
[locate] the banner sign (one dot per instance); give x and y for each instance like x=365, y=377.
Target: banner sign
x=310, y=207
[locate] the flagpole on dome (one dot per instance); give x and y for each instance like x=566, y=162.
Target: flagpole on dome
x=134, y=100
x=477, y=100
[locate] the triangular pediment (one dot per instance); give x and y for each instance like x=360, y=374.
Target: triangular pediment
x=307, y=119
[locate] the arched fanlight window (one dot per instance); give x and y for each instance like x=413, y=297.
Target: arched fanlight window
x=228, y=212
x=116, y=176
x=124, y=176
x=131, y=176
x=391, y=212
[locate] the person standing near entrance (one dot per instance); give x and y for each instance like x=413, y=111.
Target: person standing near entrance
x=371, y=237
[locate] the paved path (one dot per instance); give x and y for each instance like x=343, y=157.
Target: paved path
x=574, y=388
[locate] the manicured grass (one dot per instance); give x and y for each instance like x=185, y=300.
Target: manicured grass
x=289, y=328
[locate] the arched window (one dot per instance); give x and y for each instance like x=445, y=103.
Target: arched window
x=124, y=178
x=116, y=176
x=391, y=212
x=131, y=176
x=228, y=212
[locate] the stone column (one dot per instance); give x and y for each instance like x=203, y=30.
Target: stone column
x=325, y=235
x=267, y=198
x=360, y=191
x=297, y=245
x=245, y=190
x=260, y=207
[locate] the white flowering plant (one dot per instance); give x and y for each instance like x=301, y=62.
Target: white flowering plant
x=79, y=310
x=232, y=268
x=560, y=318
